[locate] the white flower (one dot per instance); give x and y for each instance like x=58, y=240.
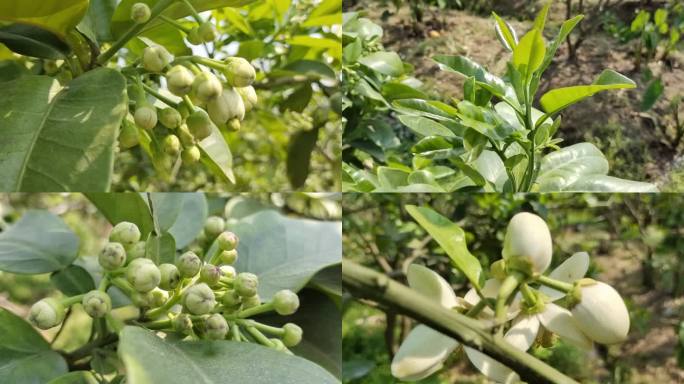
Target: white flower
x=602, y=314
x=528, y=237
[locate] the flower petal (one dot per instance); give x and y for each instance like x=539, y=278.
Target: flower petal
x=491, y=290
x=421, y=354
x=432, y=285
x=490, y=367
x=559, y=321
x=572, y=269
x=523, y=332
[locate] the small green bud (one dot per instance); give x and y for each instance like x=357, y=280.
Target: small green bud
x=189, y=264
x=252, y=301
x=194, y=37
x=143, y=275
x=249, y=97
x=206, y=87
x=229, y=257
x=210, y=274
x=285, y=302
x=191, y=155
x=170, y=118
x=112, y=256
x=159, y=297
x=140, y=13
x=216, y=327
x=142, y=299
x=182, y=323
x=185, y=136
x=146, y=117
x=128, y=135
x=172, y=145
x=179, y=80
x=246, y=284
x=199, y=124
x=227, y=241
x=47, y=313
x=137, y=251
x=97, y=303
x=207, y=32
x=228, y=271
x=170, y=276
x=228, y=105
x=199, y=299
x=125, y=233
x=230, y=299
x=239, y=72
x=156, y=58
x=293, y=334
x=233, y=125
x=214, y=226
x=278, y=345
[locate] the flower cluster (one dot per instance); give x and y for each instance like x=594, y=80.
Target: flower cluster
x=197, y=297
x=526, y=305
x=207, y=92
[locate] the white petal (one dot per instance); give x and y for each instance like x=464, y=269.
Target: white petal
x=490, y=367
x=523, y=333
x=602, y=314
x=431, y=284
x=421, y=354
x=559, y=321
x=572, y=269
x=528, y=236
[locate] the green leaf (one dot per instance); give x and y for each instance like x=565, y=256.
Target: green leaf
x=60, y=139
x=451, y=238
x=290, y=255
x=39, y=242
x=565, y=30
x=76, y=377
x=165, y=208
x=118, y=207
x=32, y=41
x=426, y=108
x=310, y=67
x=190, y=220
x=299, y=153
x=528, y=55
x=73, y=280
x=505, y=33
x=216, y=156
x=56, y=16
x=558, y=99
x=395, y=91
x=329, y=281
x=540, y=20
x=150, y=359
x=652, y=94
x=25, y=357
x=161, y=248
x=299, y=99
x=468, y=68
x=387, y=63
x=98, y=18
x=425, y=127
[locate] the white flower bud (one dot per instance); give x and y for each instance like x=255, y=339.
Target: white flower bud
x=214, y=226
x=47, y=313
x=146, y=117
x=137, y=251
x=528, y=238
x=140, y=13
x=239, y=72
x=171, y=145
x=252, y=301
x=228, y=105
x=216, y=327
x=285, y=302
x=601, y=314
x=156, y=58
x=179, y=80
x=199, y=124
x=125, y=233
x=170, y=276
x=229, y=257
x=112, y=256
x=189, y=264
x=207, y=87
x=143, y=275
x=246, y=284
x=199, y=299
x=182, y=323
x=210, y=274
x=96, y=303
x=227, y=241
x=230, y=299
x=170, y=118
x=292, y=335
x=249, y=97
x=191, y=155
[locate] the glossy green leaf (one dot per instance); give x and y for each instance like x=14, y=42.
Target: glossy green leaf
x=161, y=248
x=468, y=68
x=56, y=16
x=298, y=100
x=216, y=156
x=73, y=280
x=363, y=28
x=165, y=208
x=395, y=91
x=387, y=63
x=76, y=377
x=392, y=178
x=540, y=19
x=118, y=207
x=329, y=282
x=565, y=30
x=150, y=359
x=505, y=33
x=653, y=92
x=98, y=19
x=190, y=220
x=299, y=151
x=451, y=238
x=426, y=108
x=29, y=40
x=39, y=242
x=60, y=139
x=25, y=357
x=558, y=99
x=528, y=55
x=425, y=127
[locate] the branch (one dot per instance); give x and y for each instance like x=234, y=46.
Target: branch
x=364, y=282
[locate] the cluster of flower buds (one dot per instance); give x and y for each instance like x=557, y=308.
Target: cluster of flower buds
x=211, y=93
x=196, y=297
x=525, y=305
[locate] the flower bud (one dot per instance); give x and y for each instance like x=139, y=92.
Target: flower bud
x=125, y=233
x=292, y=335
x=214, y=226
x=227, y=106
x=186, y=138
x=146, y=117
x=159, y=297
x=207, y=87
x=233, y=125
x=252, y=301
x=142, y=299
x=46, y=313
x=601, y=314
x=171, y=145
x=112, y=256
x=246, y=284
x=182, y=323
x=227, y=271
x=285, y=302
x=128, y=136
x=249, y=97
x=194, y=37
x=207, y=32
x=179, y=80
x=189, y=264
x=227, y=241
x=230, y=299
x=528, y=239
x=143, y=275
x=170, y=276
x=199, y=124
x=216, y=327
x=191, y=155
x=97, y=303
x=210, y=274
x=156, y=58
x=229, y=257
x=239, y=72
x=170, y=118
x=137, y=251
x=199, y=299
x=140, y=13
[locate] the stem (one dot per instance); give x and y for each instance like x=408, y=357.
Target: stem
x=87, y=348
x=528, y=295
x=474, y=311
x=529, y=126
x=555, y=284
x=133, y=31
x=104, y=283
x=507, y=289
x=258, y=310
x=235, y=332
x=216, y=256
x=173, y=300
x=366, y=283
x=69, y=301
x=175, y=23
x=193, y=12
x=159, y=96
x=256, y=334
x=262, y=327
x=158, y=324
